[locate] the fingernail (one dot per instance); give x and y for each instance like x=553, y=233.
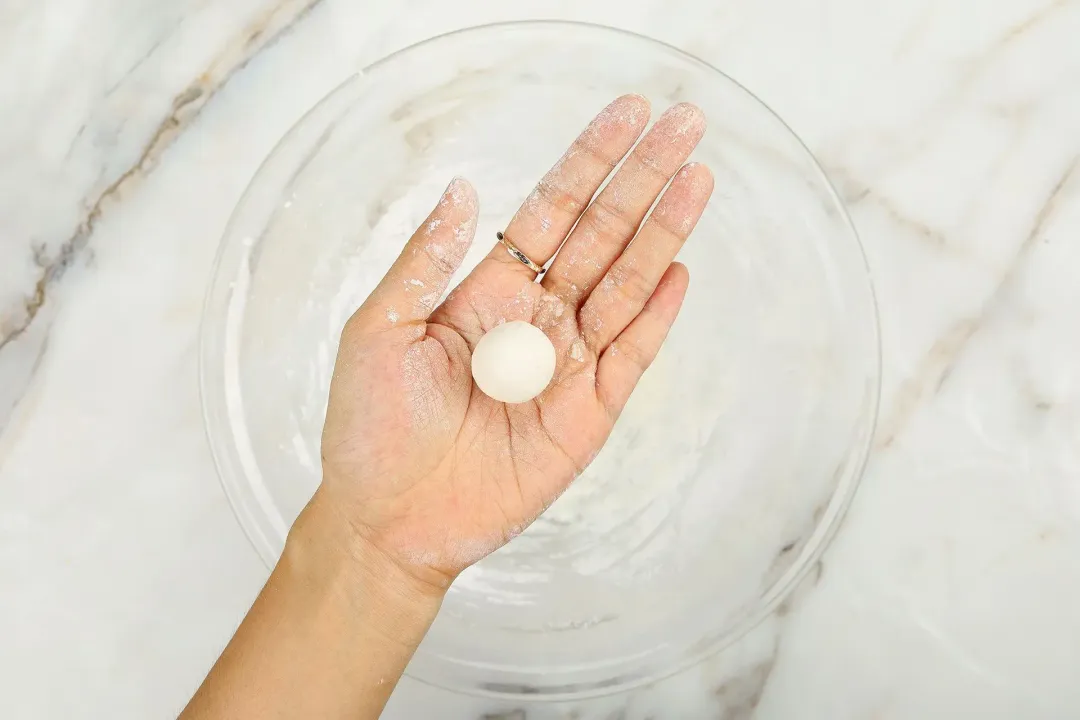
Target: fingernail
x=458, y=192
x=629, y=110
x=699, y=175
x=687, y=116
x=454, y=187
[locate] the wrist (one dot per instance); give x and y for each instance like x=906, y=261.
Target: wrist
x=328, y=552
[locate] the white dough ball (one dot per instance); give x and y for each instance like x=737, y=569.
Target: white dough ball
x=514, y=362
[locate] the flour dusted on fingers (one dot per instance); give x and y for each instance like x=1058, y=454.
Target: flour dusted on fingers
x=514, y=362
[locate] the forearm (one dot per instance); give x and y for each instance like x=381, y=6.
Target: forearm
x=329, y=636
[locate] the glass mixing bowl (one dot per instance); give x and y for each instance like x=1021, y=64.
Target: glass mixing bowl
x=739, y=452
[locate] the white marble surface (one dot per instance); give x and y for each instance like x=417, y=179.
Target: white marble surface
x=128, y=128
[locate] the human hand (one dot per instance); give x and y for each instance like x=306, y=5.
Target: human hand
x=417, y=461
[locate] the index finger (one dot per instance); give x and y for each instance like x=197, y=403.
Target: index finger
x=551, y=209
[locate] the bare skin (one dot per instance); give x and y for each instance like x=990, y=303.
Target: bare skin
x=423, y=474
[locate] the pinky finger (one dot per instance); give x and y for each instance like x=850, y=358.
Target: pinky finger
x=629, y=356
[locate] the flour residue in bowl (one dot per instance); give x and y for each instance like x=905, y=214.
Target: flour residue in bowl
x=723, y=465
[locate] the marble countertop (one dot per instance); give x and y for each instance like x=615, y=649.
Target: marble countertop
x=128, y=129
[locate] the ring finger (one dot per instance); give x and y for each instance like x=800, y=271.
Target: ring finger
x=630, y=282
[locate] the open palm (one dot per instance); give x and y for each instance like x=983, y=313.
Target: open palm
x=422, y=463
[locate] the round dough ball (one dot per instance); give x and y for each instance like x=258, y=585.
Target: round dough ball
x=514, y=362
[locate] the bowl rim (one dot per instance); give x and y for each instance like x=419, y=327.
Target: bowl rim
x=782, y=588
